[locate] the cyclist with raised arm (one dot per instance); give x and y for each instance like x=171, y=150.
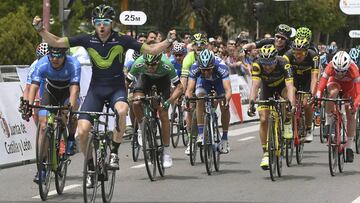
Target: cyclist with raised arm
x=106, y=49
x=206, y=74
x=342, y=74
x=272, y=74
x=305, y=65
x=149, y=70
x=281, y=41
x=61, y=74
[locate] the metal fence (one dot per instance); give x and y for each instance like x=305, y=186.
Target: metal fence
x=8, y=73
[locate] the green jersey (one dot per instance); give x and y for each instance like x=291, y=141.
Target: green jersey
x=187, y=62
x=165, y=67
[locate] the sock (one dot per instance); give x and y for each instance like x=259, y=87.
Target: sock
x=200, y=130
x=225, y=135
x=115, y=147
x=350, y=142
x=71, y=137
x=91, y=164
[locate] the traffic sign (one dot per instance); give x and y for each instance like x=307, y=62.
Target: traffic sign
x=354, y=33
x=350, y=7
x=133, y=18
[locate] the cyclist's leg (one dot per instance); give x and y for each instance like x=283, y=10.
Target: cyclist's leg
x=141, y=87
x=70, y=149
x=350, y=91
x=288, y=130
x=200, y=91
x=305, y=84
x=333, y=88
x=264, y=112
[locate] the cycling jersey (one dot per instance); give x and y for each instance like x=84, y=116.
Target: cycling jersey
x=61, y=78
x=189, y=59
x=266, y=41
x=107, y=58
x=349, y=83
x=302, y=70
x=177, y=66
x=128, y=64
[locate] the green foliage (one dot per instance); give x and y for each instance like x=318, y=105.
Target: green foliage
x=18, y=39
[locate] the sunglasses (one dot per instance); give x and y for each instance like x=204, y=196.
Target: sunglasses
x=340, y=71
x=205, y=69
x=105, y=22
x=152, y=64
x=299, y=52
x=178, y=55
x=280, y=37
x=267, y=62
x=56, y=55
x=231, y=43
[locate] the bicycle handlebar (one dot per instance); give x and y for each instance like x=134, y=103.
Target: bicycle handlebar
x=337, y=100
x=270, y=101
x=205, y=98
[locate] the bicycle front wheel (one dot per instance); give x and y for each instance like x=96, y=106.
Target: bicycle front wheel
x=158, y=140
x=208, y=146
x=322, y=125
x=216, y=145
x=62, y=158
x=45, y=162
x=332, y=152
x=175, y=128
x=271, y=148
x=193, y=139
x=148, y=149
x=108, y=176
x=301, y=134
x=90, y=173
x=357, y=135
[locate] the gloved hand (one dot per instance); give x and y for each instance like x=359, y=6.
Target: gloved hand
x=166, y=105
x=251, y=110
x=38, y=24
x=27, y=113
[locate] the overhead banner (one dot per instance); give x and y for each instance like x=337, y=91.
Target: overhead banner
x=17, y=137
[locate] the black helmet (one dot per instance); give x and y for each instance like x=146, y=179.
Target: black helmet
x=283, y=30
x=103, y=11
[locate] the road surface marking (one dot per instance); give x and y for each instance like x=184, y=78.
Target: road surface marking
x=246, y=138
x=242, y=131
x=51, y=193
x=138, y=166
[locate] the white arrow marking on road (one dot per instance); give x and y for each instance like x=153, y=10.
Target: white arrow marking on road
x=246, y=138
x=242, y=131
x=138, y=166
x=51, y=193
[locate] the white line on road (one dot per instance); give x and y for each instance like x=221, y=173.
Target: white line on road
x=243, y=131
x=357, y=200
x=138, y=166
x=246, y=138
x=51, y=193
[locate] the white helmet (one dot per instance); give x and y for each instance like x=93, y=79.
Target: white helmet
x=341, y=61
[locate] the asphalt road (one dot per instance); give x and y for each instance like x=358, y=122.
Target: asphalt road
x=240, y=178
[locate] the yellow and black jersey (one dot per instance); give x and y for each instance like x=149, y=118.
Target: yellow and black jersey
x=309, y=65
x=272, y=76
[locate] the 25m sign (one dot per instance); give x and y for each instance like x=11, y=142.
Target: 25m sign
x=133, y=18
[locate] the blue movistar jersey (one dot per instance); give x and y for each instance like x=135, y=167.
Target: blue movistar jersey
x=107, y=57
x=61, y=78
x=220, y=71
x=178, y=66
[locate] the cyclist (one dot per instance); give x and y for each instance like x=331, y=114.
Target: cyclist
x=305, y=65
x=61, y=74
x=206, y=74
x=149, y=70
x=106, y=49
x=41, y=50
x=179, y=52
x=273, y=74
x=342, y=74
x=281, y=41
x=304, y=32
x=354, y=54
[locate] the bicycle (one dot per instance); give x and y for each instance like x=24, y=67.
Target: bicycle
x=177, y=125
x=98, y=149
x=275, y=142
x=299, y=129
x=336, y=143
x=152, y=143
x=135, y=144
x=53, y=145
x=212, y=137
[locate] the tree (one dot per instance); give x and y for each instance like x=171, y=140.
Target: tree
x=18, y=39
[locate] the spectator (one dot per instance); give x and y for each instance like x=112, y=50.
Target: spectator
x=187, y=38
x=151, y=37
x=159, y=36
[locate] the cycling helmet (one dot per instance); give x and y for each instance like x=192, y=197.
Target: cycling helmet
x=341, y=61
x=57, y=52
x=42, y=49
x=179, y=48
x=354, y=54
x=283, y=30
x=300, y=43
x=151, y=59
x=136, y=55
x=206, y=59
x=199, y=39
x=304, y=32
x=268, y=52
x=103, y=11
x=332, y=49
